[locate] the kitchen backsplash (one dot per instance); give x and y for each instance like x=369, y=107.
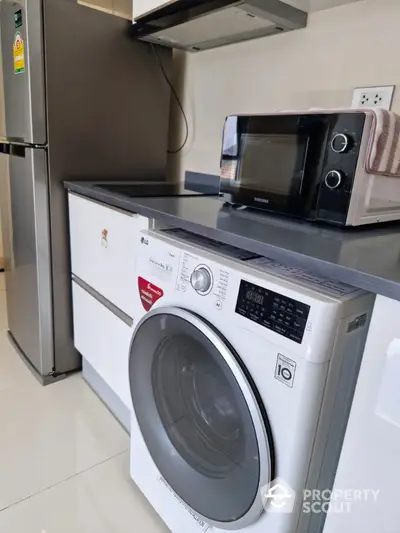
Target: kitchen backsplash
x=342, y=48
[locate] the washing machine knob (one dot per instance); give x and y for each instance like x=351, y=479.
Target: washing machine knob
x=201, y=280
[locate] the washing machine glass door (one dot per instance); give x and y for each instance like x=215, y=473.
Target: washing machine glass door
x=200, y=416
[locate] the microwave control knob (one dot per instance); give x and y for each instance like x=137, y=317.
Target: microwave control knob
x=333, y=180
x=340, y=143
x=201, y=280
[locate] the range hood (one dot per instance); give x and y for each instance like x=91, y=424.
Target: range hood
x=195, y=25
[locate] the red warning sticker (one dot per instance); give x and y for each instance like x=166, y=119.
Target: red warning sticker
x=149, y=293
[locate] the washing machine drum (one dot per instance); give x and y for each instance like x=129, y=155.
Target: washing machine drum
x=201, y=417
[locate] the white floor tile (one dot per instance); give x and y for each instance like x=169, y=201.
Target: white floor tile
x=64, y=460
x=100, y=500
x=51, y=433
x=13, y=373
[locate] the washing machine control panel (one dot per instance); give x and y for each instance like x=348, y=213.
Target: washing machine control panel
x=274, y=311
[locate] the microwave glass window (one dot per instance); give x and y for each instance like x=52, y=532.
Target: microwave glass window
x=272, y=162
x=230, y=139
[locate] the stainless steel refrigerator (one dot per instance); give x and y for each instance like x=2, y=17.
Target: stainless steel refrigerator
x=82, y=101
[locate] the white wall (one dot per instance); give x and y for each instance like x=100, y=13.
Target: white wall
x=341, y=48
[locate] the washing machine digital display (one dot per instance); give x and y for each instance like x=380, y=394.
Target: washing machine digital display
x=254, y=296
x=273, y=311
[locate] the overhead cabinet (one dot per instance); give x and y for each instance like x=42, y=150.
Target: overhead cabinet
x=120, y=8
x=143, y=7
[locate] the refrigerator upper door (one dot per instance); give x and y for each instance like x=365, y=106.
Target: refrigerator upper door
x=23, y=71
x=27, y=263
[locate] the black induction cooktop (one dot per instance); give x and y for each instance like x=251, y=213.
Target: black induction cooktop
x=150, y=189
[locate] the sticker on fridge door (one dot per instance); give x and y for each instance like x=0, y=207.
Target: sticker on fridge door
x=19, y=54
x=149, y=293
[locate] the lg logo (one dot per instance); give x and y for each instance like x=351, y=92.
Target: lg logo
x=144, y=241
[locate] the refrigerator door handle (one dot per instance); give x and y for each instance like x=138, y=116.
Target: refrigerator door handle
x=17, y=150
x=5, y=148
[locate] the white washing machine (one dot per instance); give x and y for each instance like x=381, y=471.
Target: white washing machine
x=241, y=371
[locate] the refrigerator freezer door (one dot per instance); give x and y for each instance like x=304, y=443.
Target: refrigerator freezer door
x=27, y=262
x=23, y=71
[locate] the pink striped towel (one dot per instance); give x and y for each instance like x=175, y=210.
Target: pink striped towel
x=383, y=156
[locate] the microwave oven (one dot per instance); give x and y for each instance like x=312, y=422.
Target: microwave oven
x=309, y=165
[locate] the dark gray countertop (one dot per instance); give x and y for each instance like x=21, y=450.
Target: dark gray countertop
x=366, y=258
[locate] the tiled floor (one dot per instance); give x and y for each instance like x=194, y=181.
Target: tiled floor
x=64, y=460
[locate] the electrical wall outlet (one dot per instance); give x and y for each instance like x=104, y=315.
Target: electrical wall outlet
x=373, y=97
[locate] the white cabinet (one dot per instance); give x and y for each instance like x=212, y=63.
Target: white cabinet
x=103, y=339
x=104, y=242
x=141, y=7
x=103, y=249
x=369, y=464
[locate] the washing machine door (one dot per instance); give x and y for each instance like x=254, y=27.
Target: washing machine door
x=201, y=417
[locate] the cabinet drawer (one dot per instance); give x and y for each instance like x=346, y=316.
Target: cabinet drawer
x=103, y=247
x=103, y=339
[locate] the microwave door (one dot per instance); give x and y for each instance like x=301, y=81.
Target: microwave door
x=274, y=162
